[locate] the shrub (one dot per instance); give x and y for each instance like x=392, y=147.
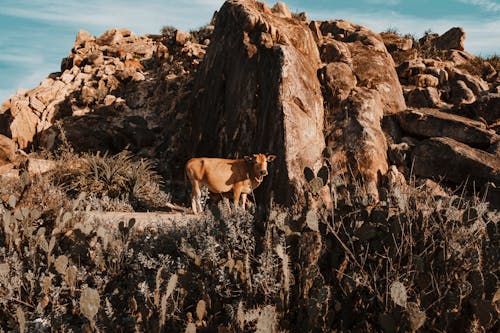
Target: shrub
x=112, y=177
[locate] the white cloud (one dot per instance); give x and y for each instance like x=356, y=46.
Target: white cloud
x=486, y=5
x=141, y=17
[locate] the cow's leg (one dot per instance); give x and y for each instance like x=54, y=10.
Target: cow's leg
x=243, y=200
x=200, y=209
x=226, y=204
x=236, y=193
x=195, y=197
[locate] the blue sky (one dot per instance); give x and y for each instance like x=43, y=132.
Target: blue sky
x=36, y=34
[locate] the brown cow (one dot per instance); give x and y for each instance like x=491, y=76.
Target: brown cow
x=222, y=175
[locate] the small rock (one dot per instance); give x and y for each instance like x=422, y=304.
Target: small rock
x=332, y=50
x=36, y=104
x=77, y=60
x=423, y=97
x=110, y=37
x=126, y=32
x=460, y=93
x=281, y=9
x=23, y=127
x=138, y=76
x=394, y=42
x=78, y=111
x=7, y=150
x=314, y=27
x=433, y=188
x=398, y=153
x=81, y=37
x=37, y=166
x=339, y=81
x=109, y=99
x=87, y=69
x=410, y=68
x=459, y=57
x=88, y=94
x=181, y=37
x=96, y=58
x=425, y=80
x=67, y=77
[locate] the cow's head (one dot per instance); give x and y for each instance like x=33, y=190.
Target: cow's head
x=259, y=164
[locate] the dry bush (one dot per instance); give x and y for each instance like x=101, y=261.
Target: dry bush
x=413, y=262
x=494, y=60
x=62, y=272
x=117, y=179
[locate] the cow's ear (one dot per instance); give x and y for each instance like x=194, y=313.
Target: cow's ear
x=249, y=159
x=271, y=158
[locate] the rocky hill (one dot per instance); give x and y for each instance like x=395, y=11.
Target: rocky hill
x=272, y=82
x=339, y=104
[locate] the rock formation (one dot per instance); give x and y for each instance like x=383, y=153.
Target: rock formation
x=360, y=85
x=261, y=79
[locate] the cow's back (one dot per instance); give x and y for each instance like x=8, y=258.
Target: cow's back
x=218, y=174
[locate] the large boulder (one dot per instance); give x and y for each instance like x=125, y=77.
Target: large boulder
x=374, y=69
x=257, y=91
x=369, y=59
x=486, y=107
x=434, y=123
x=339, y=80
x=451, y=39
x=360, y=86
x=460, y=93
x=332, y=50
x=475, y=84
x=456, y=162
x=366, y=145
x=410, y=68
x=357, y=139
x=23, y=125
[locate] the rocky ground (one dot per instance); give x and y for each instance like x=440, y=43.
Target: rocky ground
x=356, y=118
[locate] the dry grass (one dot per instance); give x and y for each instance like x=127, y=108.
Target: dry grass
x=117, y=180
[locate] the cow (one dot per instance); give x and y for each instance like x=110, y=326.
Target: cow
x=221, y=175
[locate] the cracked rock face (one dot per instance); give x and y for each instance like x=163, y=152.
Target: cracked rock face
x=258, y=91
x=360, y=85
